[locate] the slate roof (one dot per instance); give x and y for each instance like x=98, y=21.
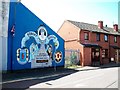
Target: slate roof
x=94, y=28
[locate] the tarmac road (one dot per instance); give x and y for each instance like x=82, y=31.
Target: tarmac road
x=99, y=78
x=105, y=76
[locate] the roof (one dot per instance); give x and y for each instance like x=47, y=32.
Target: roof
x=115, y=47
x=94, y=28
x=91, y=45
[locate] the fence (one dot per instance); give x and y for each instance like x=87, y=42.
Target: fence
x=72, y=58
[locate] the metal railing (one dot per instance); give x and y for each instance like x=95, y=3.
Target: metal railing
x=72, y=58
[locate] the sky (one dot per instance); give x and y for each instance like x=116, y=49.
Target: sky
x=55, y=12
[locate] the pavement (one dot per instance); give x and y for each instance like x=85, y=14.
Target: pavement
x=112, y=64
x=47, y=72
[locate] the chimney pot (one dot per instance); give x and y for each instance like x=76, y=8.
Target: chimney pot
x=100, y=24
x=115, y=26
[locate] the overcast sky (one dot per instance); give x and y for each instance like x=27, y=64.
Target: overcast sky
x=55, y=12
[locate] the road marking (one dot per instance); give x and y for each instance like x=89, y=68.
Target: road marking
x=111, y=84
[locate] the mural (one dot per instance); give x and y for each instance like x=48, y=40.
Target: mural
x=22, y=55
x=31, y=43
x=58, y=56
x=39, y=54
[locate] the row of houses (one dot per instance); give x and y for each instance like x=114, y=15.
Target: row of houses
x=97, y=43
x=27, y=45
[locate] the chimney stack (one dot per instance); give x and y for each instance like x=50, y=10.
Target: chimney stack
x=100, y=24
x=115, y=26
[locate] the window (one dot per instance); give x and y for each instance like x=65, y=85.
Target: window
x=86, y=35
x=115, y=39
x=105, y=53
x=106, y=38
x=98, y=36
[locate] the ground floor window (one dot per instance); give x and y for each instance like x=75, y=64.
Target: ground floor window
x=105, y=53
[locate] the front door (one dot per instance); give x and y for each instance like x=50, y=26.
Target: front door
x=95, y=56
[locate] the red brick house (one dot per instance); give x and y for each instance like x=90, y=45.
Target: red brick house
x=95, y=42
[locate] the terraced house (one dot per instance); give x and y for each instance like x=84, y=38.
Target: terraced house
x=97, y=43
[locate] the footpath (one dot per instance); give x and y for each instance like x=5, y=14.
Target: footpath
x=47, y=72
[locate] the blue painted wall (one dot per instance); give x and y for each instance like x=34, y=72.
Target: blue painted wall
x=24, y=21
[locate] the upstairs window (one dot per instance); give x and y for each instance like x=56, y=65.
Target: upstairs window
x=115, y=39
x=86, y=36
x=98, y=36
x=106, y=38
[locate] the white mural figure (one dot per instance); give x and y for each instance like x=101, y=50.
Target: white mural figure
x=33, y=51
x=42, y=56
x=39, y=56
x=42, y=33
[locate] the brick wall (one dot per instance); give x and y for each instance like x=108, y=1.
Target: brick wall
x=87, y=56
x=112, y=40
x=118, y=41
x=92, y=39
x=75, y=45
x=73, y=36
x=69, y=31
